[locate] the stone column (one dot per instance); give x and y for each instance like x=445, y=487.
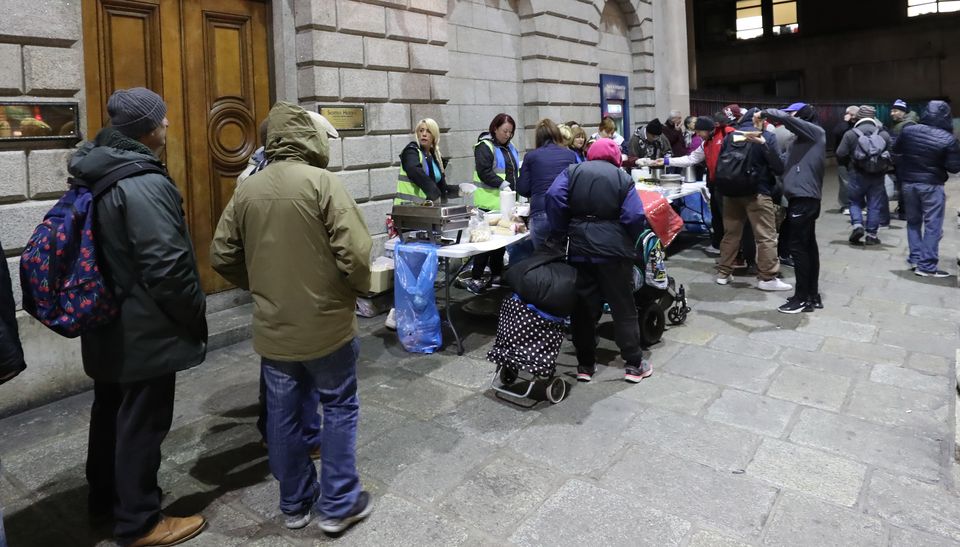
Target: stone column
x=670, y=57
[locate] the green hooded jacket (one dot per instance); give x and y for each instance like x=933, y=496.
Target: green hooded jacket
x=295, y=238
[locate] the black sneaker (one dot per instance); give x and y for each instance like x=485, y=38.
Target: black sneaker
x=817, y=302
x=634, y=374
x=871, y=240
x=496, y=282
x=361, y=510
x=795, y=305
x=857, y=234
x=477, y=286
x=786, y=261
x=935, y=273
x=584, y=374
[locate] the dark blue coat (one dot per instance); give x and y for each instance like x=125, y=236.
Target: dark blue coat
x=926, y=151
x=540, y=168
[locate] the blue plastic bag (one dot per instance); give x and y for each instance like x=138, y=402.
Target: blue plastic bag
x=418, y=321
x=695, y=213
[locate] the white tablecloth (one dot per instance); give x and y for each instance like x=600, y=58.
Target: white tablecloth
x=466, y=250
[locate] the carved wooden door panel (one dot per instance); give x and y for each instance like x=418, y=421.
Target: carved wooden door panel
x=227, y=91
x=208, y=59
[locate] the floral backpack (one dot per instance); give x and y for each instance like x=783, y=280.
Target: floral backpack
x=63, y=286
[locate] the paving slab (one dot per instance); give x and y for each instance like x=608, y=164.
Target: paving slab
x=826, y=362
x=900, y=537
x=400, y=523
x=910, y=503
x=717, y=445
x=915, y=340
x=709, y=538
x=911, y=379
x=801, y=521
x=730, y=502
x=38, y=426
x=819, y=474
x=498, y=496
x=741, y=345
x=672, y=392
x=872, y=353
x=858, y=331
x=931, y=364
x=922, y=412
x=757, y=413
x=720, y=367
x=789, y=337
x=809, y=387
x=870, y=443
x=409, y=393
x=575, y=515
x=488, y=418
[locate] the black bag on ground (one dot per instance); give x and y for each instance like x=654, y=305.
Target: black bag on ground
x=545, y=281
x=737, y=168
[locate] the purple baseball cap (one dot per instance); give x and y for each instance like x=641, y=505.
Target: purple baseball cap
x=795, y=107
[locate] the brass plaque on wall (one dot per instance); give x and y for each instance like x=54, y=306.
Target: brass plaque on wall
x=21, y=121
x=345, y=118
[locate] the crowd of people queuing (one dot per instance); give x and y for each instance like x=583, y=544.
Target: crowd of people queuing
x=764, y=169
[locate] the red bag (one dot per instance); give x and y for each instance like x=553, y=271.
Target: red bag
x=663, y=220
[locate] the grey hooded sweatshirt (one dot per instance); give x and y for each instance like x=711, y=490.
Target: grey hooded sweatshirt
x=804, y=162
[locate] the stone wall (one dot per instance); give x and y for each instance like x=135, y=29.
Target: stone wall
x=41, y=59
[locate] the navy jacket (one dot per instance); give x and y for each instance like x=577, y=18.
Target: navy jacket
x=596, y=205
x=926, y=151
x=540, y=168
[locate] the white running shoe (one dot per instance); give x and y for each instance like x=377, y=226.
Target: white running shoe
x=711, y=250
x=774, y=285
x=723, y=279
x=391, y=322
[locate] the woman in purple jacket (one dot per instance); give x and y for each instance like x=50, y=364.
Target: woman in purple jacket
x=540, y=168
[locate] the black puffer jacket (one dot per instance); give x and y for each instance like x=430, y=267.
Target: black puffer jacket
x=148, y=260
x=926, y=151
x=11, y=353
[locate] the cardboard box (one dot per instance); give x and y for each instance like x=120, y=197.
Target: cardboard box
x=381, y=281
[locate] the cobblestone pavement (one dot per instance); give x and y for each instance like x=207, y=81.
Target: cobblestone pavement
x=758, y=428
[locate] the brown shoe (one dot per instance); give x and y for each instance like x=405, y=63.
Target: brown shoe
x=171, y=531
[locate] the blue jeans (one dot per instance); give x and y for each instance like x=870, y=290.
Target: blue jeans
x=311, y=418
x=334, y=377
x=862, y=187
x=539, y=229
x=925, y=204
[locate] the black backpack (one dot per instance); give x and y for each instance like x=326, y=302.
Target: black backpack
x=872, y=155
x=737, y=173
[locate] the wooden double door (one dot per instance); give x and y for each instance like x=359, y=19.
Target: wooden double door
x=208, y=60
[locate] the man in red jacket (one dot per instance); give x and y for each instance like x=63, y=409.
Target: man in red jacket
x=709, y=152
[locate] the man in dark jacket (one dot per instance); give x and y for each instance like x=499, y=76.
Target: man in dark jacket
x=11, y=352
x=758, y=207
x=148, y=261
x=864, y=186
x=595, y=205
x=901, y=116
x=803, y=188
x=926, y=152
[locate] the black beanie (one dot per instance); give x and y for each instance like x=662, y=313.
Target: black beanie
x=136, y=111
x=704, y=123
x=655, y=127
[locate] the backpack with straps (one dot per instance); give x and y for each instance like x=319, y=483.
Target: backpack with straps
x=736, y=174
x=62, y=282
x=871, y=154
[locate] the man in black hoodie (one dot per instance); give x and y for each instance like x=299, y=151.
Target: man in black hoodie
x=803, y=188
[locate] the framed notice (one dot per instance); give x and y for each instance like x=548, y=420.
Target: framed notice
x=345, y=118
x=33, y=121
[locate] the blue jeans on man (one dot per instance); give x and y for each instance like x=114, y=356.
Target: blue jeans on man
x=334, y=378
x=863, y=187
x=311, y=417
x=539, y=229
x=925, y=205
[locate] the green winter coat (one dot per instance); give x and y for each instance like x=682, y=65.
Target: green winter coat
x=294, y=237
x=148, y=260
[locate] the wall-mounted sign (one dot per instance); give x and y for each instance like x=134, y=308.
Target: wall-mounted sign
x=20, y=121
x=345, y=118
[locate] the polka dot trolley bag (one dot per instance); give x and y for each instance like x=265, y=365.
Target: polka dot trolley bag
x=528, y=339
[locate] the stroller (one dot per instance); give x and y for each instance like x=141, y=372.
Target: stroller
x=527, y=345
x=655, y=293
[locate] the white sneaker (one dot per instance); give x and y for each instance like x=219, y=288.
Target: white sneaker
x=391, y=322
x=774, y=285
x=711, y=250
x=723, y=279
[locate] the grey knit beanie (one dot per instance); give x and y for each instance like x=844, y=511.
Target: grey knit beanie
x=867, y=112
x=136, y=111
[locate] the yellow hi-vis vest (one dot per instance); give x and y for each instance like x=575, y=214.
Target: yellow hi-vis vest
x=489, y=198
x=406, y=187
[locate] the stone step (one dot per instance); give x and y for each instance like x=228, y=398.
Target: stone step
x=229, y=326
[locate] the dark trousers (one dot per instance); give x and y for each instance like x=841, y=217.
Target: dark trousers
x=610, y=282
x=128, y=422
x=716, y=224
x=802, y=214
x=783, y=237
x=493, y=258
